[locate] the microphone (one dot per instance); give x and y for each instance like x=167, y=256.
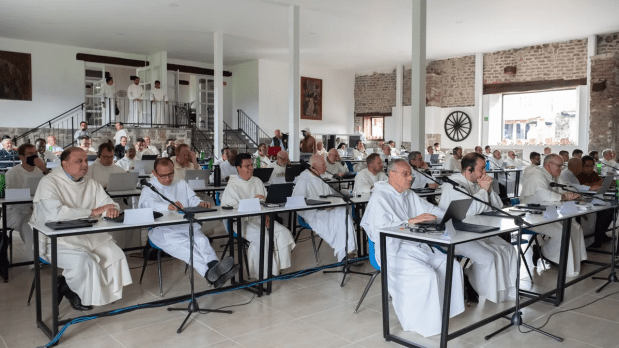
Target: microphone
x=453, y=183
x=144, y=182
x=554, y=184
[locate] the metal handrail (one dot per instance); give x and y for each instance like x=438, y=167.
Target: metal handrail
x=250, y=128
x=228, y=130
x=49, y=123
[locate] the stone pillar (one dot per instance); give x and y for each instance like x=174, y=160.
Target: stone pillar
x=604, y=102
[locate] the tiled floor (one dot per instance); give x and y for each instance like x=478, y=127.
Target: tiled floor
x=312, y=311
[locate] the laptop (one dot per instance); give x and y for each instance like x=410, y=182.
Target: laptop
x=264, y=174
x=434, y=158
x=292, y=171
x=149, y=157
x=198, y=209
x=32, y=183
x=457, y=212
x=350, y=152
x=65, y=225
x=92, y=158
x=309, y=201
x=122, y=181
x=305, y=156
x=278, y=193
x=146, y=165
x=274, y=150
x=198, y=174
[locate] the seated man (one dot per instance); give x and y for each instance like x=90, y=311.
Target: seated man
x=246, y=186
x=279, y=166
x=320, y=149
x=342, y=150
x=7, y=152
x=609, y=166
x=416, y=271
x=385, y=154
x=589, y=177
x=184, y=159
x=394, y=149
x=536, y=160
x=263, y=154
x=359, y=153
x=51, y=145
x=224, y=156
x=174, y=239
x=569, y=177
x=536, y=189
x=18, y=215
x=365, y=179
x=152, y=148
x=453, y=162
x=169, y=143
x=101, y=169
x=121, y=149
x=142, y=149
x=95, y=268
x=85, y=145
x=44, y=154
x=128, y=162
x=479, y=150
x=503, y=183
x=493, y=273
x=329, y=224
x=228, y=168
x=415, y=159
x=513, y=161
x=335, y=166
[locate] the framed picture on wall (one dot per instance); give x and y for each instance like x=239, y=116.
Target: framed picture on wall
x=311, y=98
x=15, y=76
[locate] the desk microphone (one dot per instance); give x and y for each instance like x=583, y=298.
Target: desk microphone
x=554, y=184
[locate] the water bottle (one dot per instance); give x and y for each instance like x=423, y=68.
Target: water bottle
x=217, y=176
x=599, y=168
x=202, y=154
x=210, y=164
x=257, y=162
x=487, y=164
x=2, y=185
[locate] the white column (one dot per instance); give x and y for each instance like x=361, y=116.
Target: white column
x=399, y=87
x=294, y=82
x=479, y=95
x=218, y=122
x=418, y=78
x=592, y=48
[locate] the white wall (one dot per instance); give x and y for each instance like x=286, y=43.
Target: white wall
x=245, y=90
x=338, y=98
x=57, y=81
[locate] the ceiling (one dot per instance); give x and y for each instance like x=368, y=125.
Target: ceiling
x=354, y=35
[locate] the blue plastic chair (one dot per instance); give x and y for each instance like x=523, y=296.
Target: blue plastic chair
x=459, y=258
x=150, y=247
x=43, y=263
x=240, y=249
x=304, y=225
x=350, y=166
x=376, y=266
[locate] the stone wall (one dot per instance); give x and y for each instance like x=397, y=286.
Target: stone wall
x=561, y=60
x=608, y=43
x=604, y=121
x=158, y=136
x=375, y=93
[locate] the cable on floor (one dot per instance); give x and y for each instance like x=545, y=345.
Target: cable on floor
x=186, y=298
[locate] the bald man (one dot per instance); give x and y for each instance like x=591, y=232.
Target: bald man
x=279, y=166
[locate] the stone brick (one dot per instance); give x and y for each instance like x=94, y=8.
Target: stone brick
x=604, y=105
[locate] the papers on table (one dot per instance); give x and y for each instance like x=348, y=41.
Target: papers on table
x=139, y=216
x=551, y=213
x=295, y=202
x=17, y=194
x=249, y=205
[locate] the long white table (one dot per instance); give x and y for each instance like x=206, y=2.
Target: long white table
x=507, y=225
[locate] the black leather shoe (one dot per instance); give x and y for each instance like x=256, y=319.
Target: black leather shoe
x=221, y=272
x=471, y=294
x=536, y=254
x=61, y=284
x=74, y=300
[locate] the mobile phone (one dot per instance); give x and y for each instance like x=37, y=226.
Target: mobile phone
x=226, y=207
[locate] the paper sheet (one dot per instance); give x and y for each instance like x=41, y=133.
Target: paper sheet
x=139, y=216
x=249, y=205
x=295, y=202
x=551, y=213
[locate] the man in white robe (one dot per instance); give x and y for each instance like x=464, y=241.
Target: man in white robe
x=416, y=272
x=568, y=177
x=263, y=154
x=184, y=160
x=608, y=163
x=135, y=94
x=159, y=100
x=493, y=272
x=453, y=162
x=174, y=239
x=335, y=166
x=44, y=154
x=228, y=169
x=503, y=184
x=225, y=152
x=513, y=161
x=385, y=154
x=320, y=149
x=246, y=186
x=108, y=100
x=279, y=166
x=120, y=132
x=360, y=153
x=142, y=149
x=152, y=148
x=537, y=190
x=18, y=215
x=128, y=162
x=365, y=179
x=329, y=224
x=415, y=159
x=95, y=268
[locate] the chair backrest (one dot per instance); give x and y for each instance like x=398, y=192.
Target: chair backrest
x=373, y=261
x=302, y=223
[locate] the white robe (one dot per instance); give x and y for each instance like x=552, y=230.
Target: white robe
x=328, y=224
x=322, y=152
x=159, y=98
x=587, y=222
x=365, y=180
x=516, y=162
x=493, y=273
x=536, y=189
x=416, y=272
x=121, y=133
x=94, y=266
x=606, y=167
x=49, y=156
x=227, y=170
x=238, y=189
x=127, y=164
x=139, y=154
x=360, y=155
x=174, y=239
x=179, y=171
x=154, y=150
x=101, y=173
x=108, y=96
x=420, y=180
x=451, y=163
x=135, y=92
x=18, y=215
x=336, y=167
x=278, y=171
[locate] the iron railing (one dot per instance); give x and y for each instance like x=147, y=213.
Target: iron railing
x=144, y=113
x=233, y=139
x=251, y=129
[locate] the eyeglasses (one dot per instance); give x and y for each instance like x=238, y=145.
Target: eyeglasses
x=166, y=176
x=107, y=157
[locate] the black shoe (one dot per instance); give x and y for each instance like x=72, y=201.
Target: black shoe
x=536, y=254
x=74, y=299
x=471, y=294
x=61, y=285
x=602, y=238
x=221, y=272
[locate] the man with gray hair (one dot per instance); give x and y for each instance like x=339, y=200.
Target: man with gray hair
x=386, y=153
x=536, y=189
x=415, y=159
x=366, y=178
x=608, y=163
x=329, y=224
x=416, y=271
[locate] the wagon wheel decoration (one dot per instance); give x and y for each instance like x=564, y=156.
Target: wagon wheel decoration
x=458, y=126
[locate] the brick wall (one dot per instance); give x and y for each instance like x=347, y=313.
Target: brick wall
x=604, y=121
x=561, y=60
x=608, y=43
x=375, y=93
